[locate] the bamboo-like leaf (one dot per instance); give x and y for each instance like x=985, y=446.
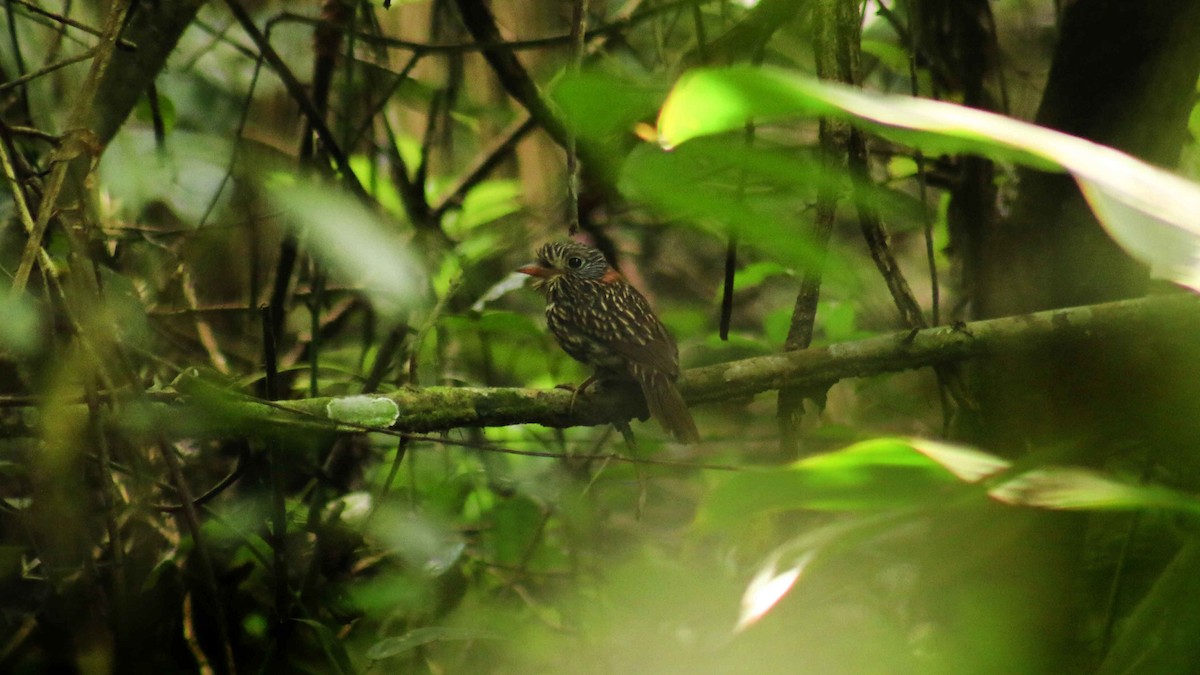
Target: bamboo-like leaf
x=876, y=474
x=1153, y=214
x=1078, y=489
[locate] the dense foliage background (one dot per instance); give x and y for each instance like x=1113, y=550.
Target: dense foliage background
x=274, y=399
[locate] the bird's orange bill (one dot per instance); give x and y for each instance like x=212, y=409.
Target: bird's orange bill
x=535, y=270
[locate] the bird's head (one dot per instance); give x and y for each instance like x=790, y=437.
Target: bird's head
x=569, y=260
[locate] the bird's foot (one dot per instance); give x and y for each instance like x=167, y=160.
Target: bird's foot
x=576, y=391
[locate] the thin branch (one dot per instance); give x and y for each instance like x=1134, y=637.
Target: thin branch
x=23, y=213
x=611, y=28
x=191, y=523
x=45, y=70
x=578, y=32
x=67, y=21
x=296, y=90
x=500, y=148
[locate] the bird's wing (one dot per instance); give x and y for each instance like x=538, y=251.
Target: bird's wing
x=636, y=334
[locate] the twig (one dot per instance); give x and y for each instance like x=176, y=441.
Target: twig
x=67, y=21
x=515, y=80
x=204, y=329
x=18, y=193
x=831, y=137
x=45, y=70
x=296, y=90
x=425, y=48
x=79, y=145
x=500, y=148
x=109, y=497
x=578, y=31
x=32, y=132
x=208, y=574
x=386, y=486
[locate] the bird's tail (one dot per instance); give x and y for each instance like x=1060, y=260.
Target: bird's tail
x=666, y=405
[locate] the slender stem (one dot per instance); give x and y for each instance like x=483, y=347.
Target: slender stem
x=208, y=575
x=45, y=70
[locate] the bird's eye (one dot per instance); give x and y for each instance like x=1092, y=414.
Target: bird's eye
x=574, y=262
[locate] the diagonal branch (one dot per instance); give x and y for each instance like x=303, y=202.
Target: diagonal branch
x=481, y=24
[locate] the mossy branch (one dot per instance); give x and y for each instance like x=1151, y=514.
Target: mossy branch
x=205, y=411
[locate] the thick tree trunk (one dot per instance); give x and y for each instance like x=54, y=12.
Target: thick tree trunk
x=1123, y=75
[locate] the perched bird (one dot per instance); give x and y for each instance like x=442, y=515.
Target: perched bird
x=601, y=320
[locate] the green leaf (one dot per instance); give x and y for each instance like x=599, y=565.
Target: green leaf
x=876, y=474
x=754, y=274
x=891, y=55
x=487, y=202
x=768, y=587
x=514, y=527
x=378, y=185
x=394, y=646
x=838, y=320
x=598, y=104
x=706, y=102
x=1077, y=489
x=1153, y=214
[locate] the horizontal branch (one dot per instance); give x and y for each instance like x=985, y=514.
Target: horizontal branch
x=205, y=411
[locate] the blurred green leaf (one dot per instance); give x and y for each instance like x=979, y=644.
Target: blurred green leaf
x=514, y=530
x=706, y=102
x=891, y=55
x=968, y=464
x=425, y=544
x=1159, y=636
x=720, y=183
x=509, y=323
x=21, y=325
x=838, y=321
x=1194, y=123
x=599, y=104
x=1153, y=214
x=754, y=274
x=876, y=474
x=185, y=175
x=768, y=587
x=1077, y=489
x=901, y=166
x=777, y=324
x=355, y=243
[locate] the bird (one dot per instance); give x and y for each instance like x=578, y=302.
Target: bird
x=602, y=321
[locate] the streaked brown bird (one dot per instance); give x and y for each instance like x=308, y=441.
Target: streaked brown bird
x=601, y=320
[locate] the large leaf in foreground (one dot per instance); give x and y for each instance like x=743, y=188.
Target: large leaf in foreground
x=1152, y=213
x=877, y=474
